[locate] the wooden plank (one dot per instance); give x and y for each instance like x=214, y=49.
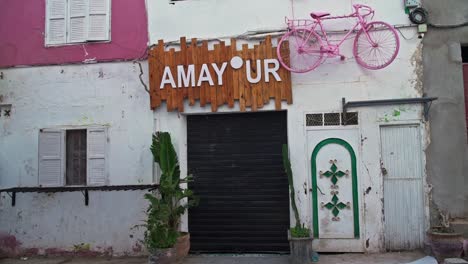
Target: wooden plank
x=184, y=57
x=286, y=93
x=243, y=76
x=213, y=88
x=234, y=76
x=171, y=92
x=181, y=59
x=265, y=86
x=154, y=69
x=270, y=53
x=204, y=88
x=190, y=95
x=253, y=86
x=256, y=72
x=238, y=78
x=220, y=89
x=160, y=58
x=195, y=58
x=228, y=77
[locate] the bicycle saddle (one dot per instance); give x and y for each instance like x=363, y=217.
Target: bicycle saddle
x=316, y=15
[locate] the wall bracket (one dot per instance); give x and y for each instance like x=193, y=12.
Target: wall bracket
x=83, y=189
x=427, y=101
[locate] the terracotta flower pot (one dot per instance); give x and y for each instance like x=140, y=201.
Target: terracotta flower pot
x=182, y=246
x=445, y=245
x=301, y=249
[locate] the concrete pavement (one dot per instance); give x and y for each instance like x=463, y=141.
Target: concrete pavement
x=385, y=258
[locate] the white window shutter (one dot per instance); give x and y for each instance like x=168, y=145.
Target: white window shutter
x=56, y=26
x=51, y=157
x=77, y=20
x=99, y=20
x=97, y=156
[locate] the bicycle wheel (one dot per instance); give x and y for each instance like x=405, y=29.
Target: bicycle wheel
x=382, y=48
x=304, y=52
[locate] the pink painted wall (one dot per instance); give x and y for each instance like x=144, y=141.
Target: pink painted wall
x=22, y=26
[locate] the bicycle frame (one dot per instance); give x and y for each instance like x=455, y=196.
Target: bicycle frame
x=332, y=49
x=311, y=42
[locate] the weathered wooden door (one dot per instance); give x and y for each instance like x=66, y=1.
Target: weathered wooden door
x=403, y=186
x=336, y=207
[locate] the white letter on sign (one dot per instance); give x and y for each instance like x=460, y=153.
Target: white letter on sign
x=205, y=76
x=273, y=71
x=183, y=77
x=167, y=78
x=248, y=69
x=219, y=72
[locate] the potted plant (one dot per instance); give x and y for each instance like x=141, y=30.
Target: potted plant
x=444, y=242
x=300, y=238
x=162, y=238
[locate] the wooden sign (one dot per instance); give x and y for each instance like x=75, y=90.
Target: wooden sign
x=217, y=77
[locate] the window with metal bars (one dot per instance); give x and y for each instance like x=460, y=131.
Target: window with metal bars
x=331, y=119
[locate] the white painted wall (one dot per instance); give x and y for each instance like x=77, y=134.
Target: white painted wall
x=317, y=91
x=219, y=18
x=52, y=96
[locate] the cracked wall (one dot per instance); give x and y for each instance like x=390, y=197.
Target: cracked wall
x=75, y=95
x=447, y=157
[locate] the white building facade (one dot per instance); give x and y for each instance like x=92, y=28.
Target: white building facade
x=380, y=149
x=388, y=141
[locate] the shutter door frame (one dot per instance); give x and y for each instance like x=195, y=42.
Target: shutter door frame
x=247, y=210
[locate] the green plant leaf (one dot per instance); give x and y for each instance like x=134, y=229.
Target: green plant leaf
x=165, y=209
x=288, y=170
x=300, y=231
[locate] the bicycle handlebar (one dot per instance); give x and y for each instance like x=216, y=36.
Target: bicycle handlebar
x=367, y=8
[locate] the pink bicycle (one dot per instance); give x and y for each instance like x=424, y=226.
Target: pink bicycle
x=376, y=43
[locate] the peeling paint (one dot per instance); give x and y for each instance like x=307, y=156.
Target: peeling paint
x=9, y=245
x=416, y=62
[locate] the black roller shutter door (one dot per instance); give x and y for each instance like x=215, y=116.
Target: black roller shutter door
x=238, y=174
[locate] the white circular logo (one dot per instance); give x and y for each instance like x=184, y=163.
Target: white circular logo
x=236, y=62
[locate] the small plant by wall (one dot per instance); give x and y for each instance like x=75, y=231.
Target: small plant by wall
x=166, y=206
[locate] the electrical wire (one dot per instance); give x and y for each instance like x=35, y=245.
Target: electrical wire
x=464, y=24
x=401, y=33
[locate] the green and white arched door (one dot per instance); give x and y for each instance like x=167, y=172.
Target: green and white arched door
x=335, y=192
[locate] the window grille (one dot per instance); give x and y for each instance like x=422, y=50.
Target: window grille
x=331, y=119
